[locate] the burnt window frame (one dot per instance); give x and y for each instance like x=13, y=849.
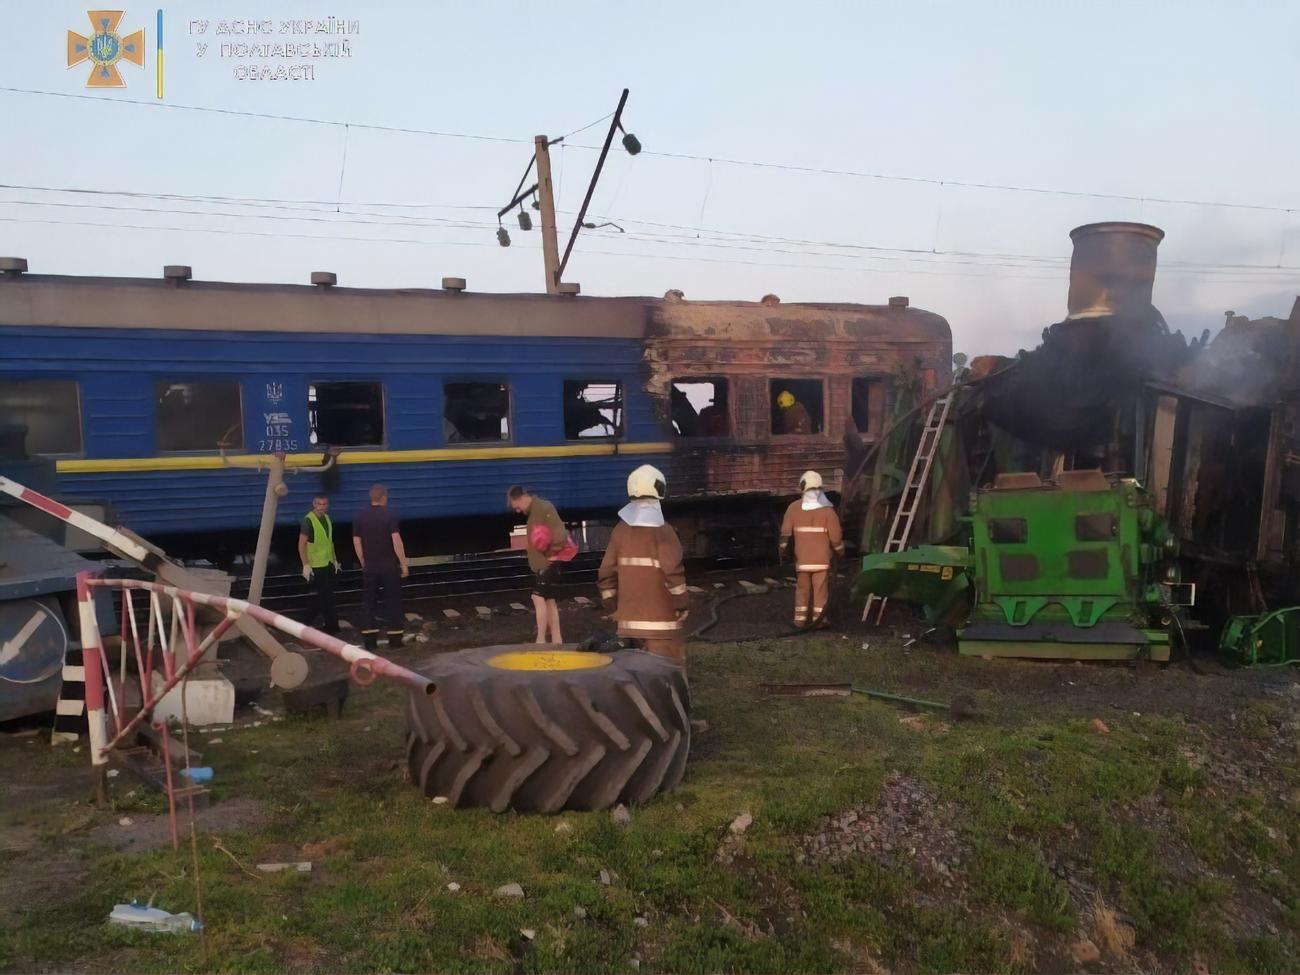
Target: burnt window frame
x=883, y=381
x=239, y=447
x=771, y=405
x=620, y=432
x=714, y=378
x=81, y=416
x=383, y=412
x=485, y=381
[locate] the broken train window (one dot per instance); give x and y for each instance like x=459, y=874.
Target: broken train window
x=868, y=405
x=50, y=409
x=797, y=406
x=592, y=410
x=346, y=414
x=700, y=407
x=198, y=415
x=475, y=412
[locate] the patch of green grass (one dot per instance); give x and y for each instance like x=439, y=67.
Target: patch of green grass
x=1024, y=789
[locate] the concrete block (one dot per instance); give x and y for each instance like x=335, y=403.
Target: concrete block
x=752, y=588
x=772, y=583
x=414, y=618
x=483, y=611
x=519, y=607
x=451, y=614
x=583, y=601
x=695, y=589
x=209, y=699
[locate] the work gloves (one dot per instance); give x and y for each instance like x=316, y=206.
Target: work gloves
x=306, y=573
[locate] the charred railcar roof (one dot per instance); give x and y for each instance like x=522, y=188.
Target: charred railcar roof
x=90, y=302
x=817, y=322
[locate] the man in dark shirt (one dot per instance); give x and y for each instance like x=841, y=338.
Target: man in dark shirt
x=378, y=545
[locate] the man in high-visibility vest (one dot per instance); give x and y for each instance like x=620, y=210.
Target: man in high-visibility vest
x=319, y=563
x=812, y=529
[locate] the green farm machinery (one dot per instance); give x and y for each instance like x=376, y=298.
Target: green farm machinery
x=1080, y=567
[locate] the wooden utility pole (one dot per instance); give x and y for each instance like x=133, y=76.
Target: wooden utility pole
x=546, y=197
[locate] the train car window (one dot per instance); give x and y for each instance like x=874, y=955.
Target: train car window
x=868, y=406
x=475, y=412
x=798, y=406
x=346, y=414
x=701, y=408
x=198, y=415
x=592, y=410
x=50, y=409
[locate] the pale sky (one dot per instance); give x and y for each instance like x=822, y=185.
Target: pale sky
x=1172, y=101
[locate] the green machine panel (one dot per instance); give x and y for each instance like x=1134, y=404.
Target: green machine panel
x=1068, y=569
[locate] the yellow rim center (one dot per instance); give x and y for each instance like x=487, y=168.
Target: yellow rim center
x=548, y=660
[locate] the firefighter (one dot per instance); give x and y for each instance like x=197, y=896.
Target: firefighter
x=641, y=577
x=813, y=528
x=794, y=416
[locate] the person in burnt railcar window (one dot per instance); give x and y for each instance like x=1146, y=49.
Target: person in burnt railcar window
x=794, y=417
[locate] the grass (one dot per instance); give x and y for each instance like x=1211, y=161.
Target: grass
x=1133, y=822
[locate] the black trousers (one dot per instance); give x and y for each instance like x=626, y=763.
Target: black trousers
x=323, y=580
x=385, y=609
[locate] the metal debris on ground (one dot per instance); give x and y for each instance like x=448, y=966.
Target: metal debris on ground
x=303, y=866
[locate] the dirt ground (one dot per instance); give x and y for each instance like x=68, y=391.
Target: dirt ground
x=1237, y=734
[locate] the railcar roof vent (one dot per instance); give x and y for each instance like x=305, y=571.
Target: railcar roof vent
x=178, y=273
x=453, y=284
x=570, y=288
x=13, y=266
x=674, y=294
x=769, y=300
x=898, y=301
x=324, y=279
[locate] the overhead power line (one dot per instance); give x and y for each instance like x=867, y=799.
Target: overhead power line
x=761, y=164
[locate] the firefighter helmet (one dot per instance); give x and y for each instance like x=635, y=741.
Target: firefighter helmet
x=785, y=400
x=811, y=481
x=647, y=482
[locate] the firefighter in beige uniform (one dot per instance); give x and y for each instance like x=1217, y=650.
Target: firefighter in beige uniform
x=641, y=577
x=815, y=529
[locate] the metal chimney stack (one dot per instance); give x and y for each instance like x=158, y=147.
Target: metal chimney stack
x=1112, y=269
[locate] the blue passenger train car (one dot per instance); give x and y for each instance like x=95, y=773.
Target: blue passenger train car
x=159, y=396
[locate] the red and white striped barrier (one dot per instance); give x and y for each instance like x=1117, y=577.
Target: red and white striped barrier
x=181, y=650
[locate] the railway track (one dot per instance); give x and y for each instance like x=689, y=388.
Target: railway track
x=471, y=575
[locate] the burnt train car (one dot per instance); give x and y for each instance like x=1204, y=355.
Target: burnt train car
x=444, y=395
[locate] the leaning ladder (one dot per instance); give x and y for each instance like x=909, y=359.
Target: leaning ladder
x=914, y=489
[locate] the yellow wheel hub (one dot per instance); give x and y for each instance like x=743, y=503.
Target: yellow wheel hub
x=549, y=660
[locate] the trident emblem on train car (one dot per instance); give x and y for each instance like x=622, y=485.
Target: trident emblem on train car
x=104, y=48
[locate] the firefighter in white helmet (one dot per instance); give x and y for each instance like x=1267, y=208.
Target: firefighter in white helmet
x=813, y=528
x=641, y=577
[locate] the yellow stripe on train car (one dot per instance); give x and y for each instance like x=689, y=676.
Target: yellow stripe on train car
x=208, y=462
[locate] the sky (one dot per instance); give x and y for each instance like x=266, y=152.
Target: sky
x=818, y=151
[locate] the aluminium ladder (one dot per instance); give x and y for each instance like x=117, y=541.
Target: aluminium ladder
x=914, y=488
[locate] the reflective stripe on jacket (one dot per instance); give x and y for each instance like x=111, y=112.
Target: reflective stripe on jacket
x=816, y=534
x=641, y=577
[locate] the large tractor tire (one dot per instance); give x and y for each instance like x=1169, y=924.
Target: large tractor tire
x=514, y=727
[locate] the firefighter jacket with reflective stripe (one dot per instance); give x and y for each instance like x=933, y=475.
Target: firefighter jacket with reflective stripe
x=641, y=578
x=816, y=534
x=320, y=547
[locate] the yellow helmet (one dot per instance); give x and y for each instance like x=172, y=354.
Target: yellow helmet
x=811, y=481
x=785, y=400
x=647, y=482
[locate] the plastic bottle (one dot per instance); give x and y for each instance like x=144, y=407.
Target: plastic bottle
x=198, y=774
x=148, y=918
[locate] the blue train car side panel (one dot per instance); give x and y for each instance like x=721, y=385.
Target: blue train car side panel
x=117, y=368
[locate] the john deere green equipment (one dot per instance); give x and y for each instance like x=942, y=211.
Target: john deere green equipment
x=1269, y=640
x=1078, y=568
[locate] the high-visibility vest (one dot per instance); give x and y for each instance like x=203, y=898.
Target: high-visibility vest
x=320, y=548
